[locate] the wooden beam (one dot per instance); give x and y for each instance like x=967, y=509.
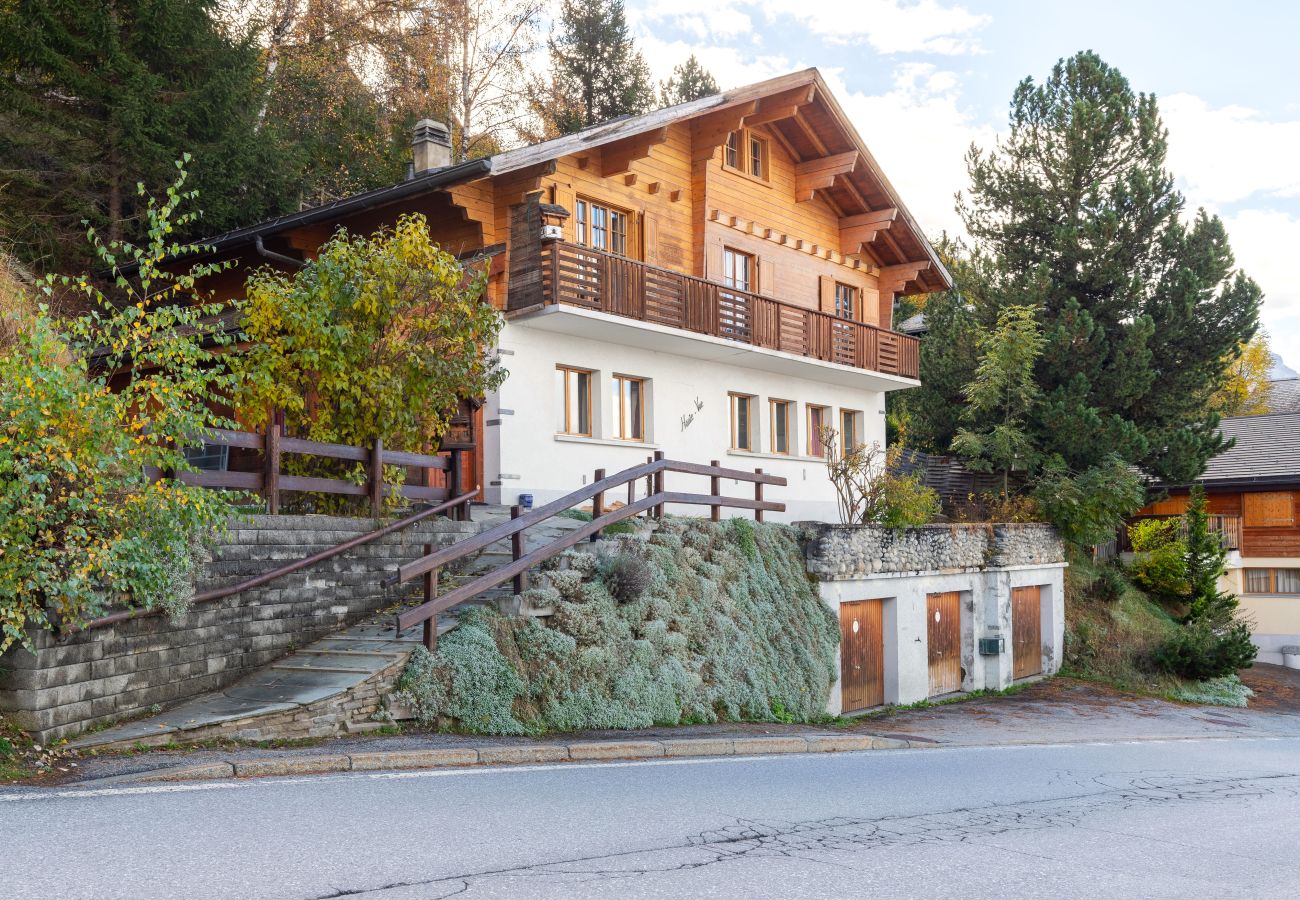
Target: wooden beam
x=710, y=131
x=774, y=114
x=629, y=179
x=617, y=158
x=819, y=174
x=652, y=187
x=783, y=105
x=894, y=278
x=855, y=231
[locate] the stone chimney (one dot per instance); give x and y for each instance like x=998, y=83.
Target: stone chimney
x=431, y=147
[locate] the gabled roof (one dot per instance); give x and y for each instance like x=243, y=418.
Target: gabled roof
x=1284, y=395
x=799, y=108
x=1267, y=452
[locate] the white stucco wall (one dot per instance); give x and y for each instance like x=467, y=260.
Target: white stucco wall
x=524, y=453
x=1274, y=618
x=985, y=612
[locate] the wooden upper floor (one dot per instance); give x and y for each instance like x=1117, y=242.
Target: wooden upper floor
x=1262, y=524
x=766, y=191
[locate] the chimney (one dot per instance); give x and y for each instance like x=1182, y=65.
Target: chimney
x=431, y=146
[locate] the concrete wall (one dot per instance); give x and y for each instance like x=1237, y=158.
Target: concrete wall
x=524, y=453
x=902, y=566
x=1274, y=618
x=99, y=676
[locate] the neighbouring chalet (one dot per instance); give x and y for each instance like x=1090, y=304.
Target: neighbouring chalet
x=1253, y=494
x=715, y=280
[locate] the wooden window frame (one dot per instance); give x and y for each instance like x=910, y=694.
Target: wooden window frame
x=751, y=274
x=618, y=381
x=742, y=154
x=859, y=420
x=1272, y=581
x=853, y=295
x=573, y=371
x=772, y=404
x=584, y=226
x=733, y=403
x=815, y=446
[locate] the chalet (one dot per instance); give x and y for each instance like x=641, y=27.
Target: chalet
x=714, y=280
x=1253, y=493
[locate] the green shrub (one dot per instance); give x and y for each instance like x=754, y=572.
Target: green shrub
x=727, y=626
x=1162, y=572
x=1088, y=507
x=1199, y=650
x=626, y=577
x=1225, y=691
x=1109, y=584
x=1151, y=534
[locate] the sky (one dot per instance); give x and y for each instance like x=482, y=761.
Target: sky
x=923, y=79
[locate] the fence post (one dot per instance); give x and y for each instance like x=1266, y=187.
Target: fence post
x=715, y=489
x=597, y=503
x=659, y=484
x=271, y=464
x=517, y=551
x=453, y=483
x=430, y=592
x=649, y=487
x=377, y=478
x=758, y=495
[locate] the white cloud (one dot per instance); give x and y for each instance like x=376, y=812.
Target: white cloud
x=730, y=66
x=1231, y=153
x=888, y=26
x=1264, y=243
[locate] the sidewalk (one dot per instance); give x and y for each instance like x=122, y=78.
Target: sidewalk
x=1060, y=710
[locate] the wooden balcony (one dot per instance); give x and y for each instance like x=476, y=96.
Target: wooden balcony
x=590, y=279
x=1228, y=528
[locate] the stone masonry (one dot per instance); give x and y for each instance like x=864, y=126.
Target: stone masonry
x=836, y=552
x=98, y=676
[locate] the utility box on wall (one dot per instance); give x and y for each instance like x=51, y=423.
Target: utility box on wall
x=993, y=646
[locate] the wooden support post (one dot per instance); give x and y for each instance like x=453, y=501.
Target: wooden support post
x=631, y=491
x=715, y=489
x=758, y=495
x=649, y=487
x=597, y=503
x=271, y=462
x=430, y=592
x=453, y=484
x=659, y=484
x=517, y=551
x=377, y=479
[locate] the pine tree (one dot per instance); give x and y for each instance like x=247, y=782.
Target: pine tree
x=97, y=97
x=1002, y=395
x=689, y=81
x=596, y=71
x=1080, y=218
x=1205, y=563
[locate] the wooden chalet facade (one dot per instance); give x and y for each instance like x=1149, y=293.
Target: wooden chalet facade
x=1253, y=495
x=714, y=279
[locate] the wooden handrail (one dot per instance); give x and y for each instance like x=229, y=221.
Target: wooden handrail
x=522, y=562
x=287, y=568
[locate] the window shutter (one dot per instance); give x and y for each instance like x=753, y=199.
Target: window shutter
x=827, y=294
x=1270, y=509
x=766, y=278
x=713, y=262
x=649, y=239
x=565, y=197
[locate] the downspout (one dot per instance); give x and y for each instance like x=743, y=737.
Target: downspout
x=276, y=257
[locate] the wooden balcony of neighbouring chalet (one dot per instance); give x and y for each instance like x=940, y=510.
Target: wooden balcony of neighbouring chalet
x=574, y=277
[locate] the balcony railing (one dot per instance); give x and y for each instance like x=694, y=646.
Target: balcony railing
x=1228, y=528
x=591, y=279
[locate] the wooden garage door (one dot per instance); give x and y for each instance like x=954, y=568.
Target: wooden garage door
x=1026, y=632
x=943, y=627
x=862, y=654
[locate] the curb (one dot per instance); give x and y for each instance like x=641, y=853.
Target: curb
x=505, y=754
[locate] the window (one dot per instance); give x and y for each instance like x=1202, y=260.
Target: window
x=850, y=429
x=1268, y=509
x=742, y=422
x=576, y=386
x=817, y=416
x=781, y=425
x=1273, y=581
x=629, y=408
x=746, y=152
x=737, y=269
x=601, y=227
x=846, y=300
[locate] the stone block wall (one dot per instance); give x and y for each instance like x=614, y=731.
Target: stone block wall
x=853, y=551
x=88, y=678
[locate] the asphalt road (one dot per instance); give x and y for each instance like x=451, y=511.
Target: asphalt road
x=1200, y=818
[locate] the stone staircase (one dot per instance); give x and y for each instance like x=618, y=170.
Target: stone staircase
x=333, y=685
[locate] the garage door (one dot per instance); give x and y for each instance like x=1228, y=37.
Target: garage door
x=943, y=627
x=862, y=655
x=1026, y=632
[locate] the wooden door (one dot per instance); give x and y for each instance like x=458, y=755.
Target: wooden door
x=943, y=628
x=862, y=655
x=1026, y=632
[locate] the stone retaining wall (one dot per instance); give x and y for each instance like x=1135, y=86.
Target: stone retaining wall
x=836, y=552
x=99, y=676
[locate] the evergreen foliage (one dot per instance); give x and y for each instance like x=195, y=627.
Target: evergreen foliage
x=597, y=73
x=689, y=81
x=1205, y=563
x=728, y=628
x=1075, y=214
x=97, y=97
